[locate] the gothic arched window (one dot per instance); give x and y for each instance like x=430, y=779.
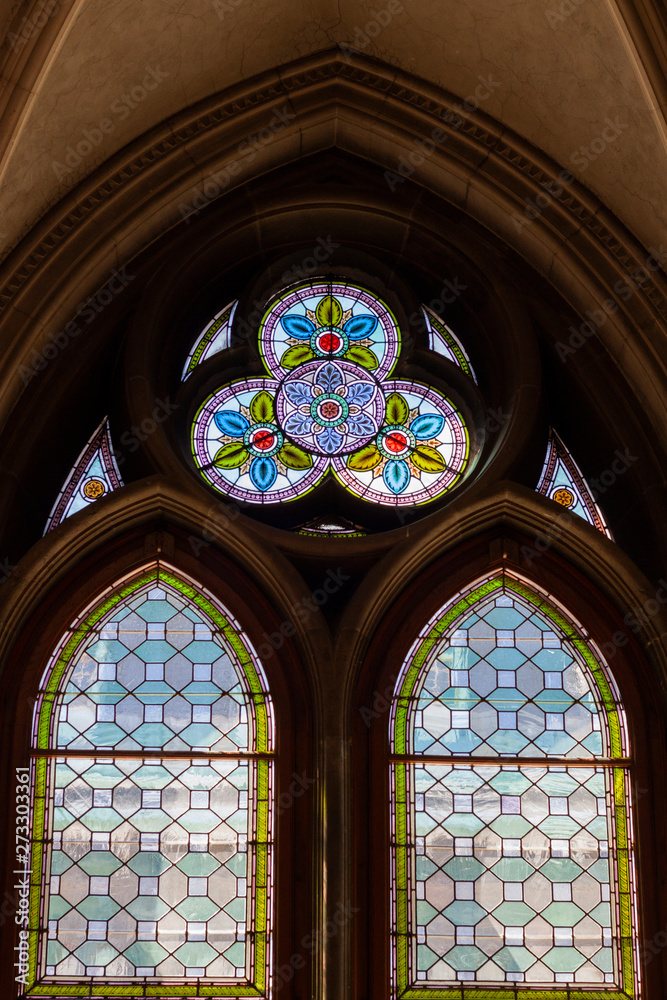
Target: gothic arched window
x=511, y=823
x=152, y=810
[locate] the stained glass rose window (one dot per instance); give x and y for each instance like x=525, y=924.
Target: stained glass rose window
x=327, y=406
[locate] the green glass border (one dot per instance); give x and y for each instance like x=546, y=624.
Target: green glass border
x=454, y=347
x=262, y=814
x=399, y=739
x=207, y=338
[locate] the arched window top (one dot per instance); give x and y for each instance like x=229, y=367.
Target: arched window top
x=503, y=671
x=511, y=821
x=156, y=665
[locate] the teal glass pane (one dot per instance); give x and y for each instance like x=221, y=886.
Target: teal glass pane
x=153, y=860
x=511, y=875
x=505, y=683
x=509, y=872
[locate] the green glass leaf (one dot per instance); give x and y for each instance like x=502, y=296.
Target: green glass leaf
x=365, y=459
x=329, y=311
x=296, y=355
x=261, y=408
x=362, y=356
x=231, y=455
x=428, y=459
x=398, y=410
x=293, y=457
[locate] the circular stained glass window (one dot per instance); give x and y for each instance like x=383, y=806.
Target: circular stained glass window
x=328, y=407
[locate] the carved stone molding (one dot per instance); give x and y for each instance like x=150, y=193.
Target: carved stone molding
x=404, y=97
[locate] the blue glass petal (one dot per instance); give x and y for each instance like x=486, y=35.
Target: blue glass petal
x=298, y=392
x=232, y=423
x=263, y=473
x=298, y=423
x=361, y=424
x=330, y=440
x=359, y=393
x=360, y=326
x=329, y=377
x=396, y=476
x=298, y=326
x=428, y=425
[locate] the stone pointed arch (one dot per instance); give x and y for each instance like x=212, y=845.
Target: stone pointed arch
x=193, y=161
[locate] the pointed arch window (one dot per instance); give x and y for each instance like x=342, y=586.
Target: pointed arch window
x=511, y=821
x=152, y=810
x=562, y=481
x=94, y=474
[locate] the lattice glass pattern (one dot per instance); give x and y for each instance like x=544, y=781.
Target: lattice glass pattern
x=156, y=861
x=506, y=683
x=512, y=878
x=511, y=824
x=154, y=675
x=148, y=870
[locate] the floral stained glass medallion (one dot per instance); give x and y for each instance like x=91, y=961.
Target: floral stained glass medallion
x=512, y=830
x=95, y=473
x=561, y=480
x=328, y=406
x=152, y=770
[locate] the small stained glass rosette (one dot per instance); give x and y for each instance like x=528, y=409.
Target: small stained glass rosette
x=242, y=451
x=330, y=407
x=94, y=474
x=329, y=320
x=562, y=481
x=419, y=453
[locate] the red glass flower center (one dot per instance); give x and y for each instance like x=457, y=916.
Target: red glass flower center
x=395, y=442
x=330, y=410
x=263, y=440
x=330, y=342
